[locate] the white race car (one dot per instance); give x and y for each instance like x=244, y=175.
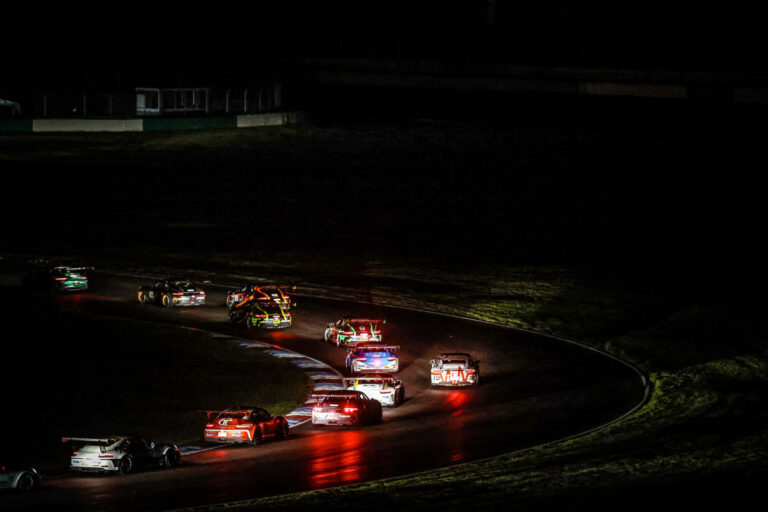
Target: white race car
x=21, y=478
x=454, y=369
x=384, y=388
x=341, y=407
x=123, y=454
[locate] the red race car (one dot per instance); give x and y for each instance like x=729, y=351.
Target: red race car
x=244, y=424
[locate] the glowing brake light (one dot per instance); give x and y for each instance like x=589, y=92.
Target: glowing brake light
x=201, y=292
x=209, y=425
x=178, y=293
x=350, y=409
x=317, y=408
x=107, y=456
x=74, y=454
x=60, y=278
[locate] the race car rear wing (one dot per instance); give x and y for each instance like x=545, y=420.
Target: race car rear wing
x=90, y=440
x=352, y=380
x=373, y=345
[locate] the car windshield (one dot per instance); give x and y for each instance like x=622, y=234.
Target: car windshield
x=184, y=285
x=454, y=360
x=234, y=415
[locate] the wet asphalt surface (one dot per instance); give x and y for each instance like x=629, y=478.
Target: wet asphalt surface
x=533, y=389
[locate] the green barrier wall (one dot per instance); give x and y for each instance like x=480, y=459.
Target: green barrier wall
x=189, y=123
x=15, y=125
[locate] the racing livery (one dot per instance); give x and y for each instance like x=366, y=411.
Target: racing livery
x=384, y=388
x=21, y=478
x=121, y=454
x=268, y=293
x=266, y=315
x=244, y=424
x=172, y=292
x=61, y=278
x=373, y=357
x=454, y=369
x=341, y=407
x=345, y=331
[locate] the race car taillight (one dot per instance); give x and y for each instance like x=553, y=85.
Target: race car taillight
x=317, y=408
x=107, y=456
x=359, y=359
x=391, y=359
x=74, y=454
x=60, y=278
x=178, y=293
x=385, y=392
x=260, y=316
x=209, y=425
x=350, y=409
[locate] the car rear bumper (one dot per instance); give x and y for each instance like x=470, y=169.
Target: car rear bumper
x=327, y=419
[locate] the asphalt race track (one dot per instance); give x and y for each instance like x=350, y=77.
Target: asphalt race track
x=533, y=389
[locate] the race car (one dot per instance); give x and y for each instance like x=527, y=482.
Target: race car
x=244, y=424
x=266, y=315
x=268, y=293
x=60, y=278
x=353, y=330
x=382, y=387
x=18, y=477
x=373, y=357
x=172, y=292
x=454, y=369
x=340, y=407
x=120, y=454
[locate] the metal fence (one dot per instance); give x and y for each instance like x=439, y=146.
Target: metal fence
x=257, y=99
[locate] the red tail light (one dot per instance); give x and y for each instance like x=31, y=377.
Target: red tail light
x=317, y=408
x=210, y=425
x=60, y=278
x=201, y=292
x=391, y=359
x=350, y=409
x=178, y=293
x=74, y=454
x=107, y=456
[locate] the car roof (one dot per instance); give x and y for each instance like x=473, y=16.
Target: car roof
x=455, y=354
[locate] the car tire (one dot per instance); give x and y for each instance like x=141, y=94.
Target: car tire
x=142, y=297
x=258, y=436
x=326, y=335
x=26, y=482
x=283, y=430
x=400, y=396
x=170, y=459
x=126, y=465
x=166, y=300
x=248, y=322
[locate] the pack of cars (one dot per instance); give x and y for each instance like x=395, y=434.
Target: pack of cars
x=371, y=364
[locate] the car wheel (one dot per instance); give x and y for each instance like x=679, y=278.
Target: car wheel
x=166, y=301
x=126, y=465
x=248, y=322
x=400, y=397
x=284, y=430
x=170, y=459
x=258, y=436
x=25, y=483
x=142, y=298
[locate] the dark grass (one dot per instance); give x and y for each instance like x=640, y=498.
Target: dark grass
x=73, y=374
